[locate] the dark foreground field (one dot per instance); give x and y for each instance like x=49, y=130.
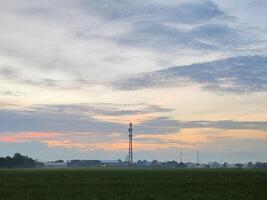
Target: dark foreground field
x=133, y=184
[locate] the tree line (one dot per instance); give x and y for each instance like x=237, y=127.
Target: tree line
x=18, y=161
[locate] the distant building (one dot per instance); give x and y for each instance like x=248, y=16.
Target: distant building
x=105, y=163
x=214, y=165
x=84, y=163
x=55, y=164
x=191, y=165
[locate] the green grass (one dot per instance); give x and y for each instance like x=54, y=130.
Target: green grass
x=123, y=184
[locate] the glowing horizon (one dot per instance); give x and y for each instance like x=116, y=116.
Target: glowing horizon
x=189, y=75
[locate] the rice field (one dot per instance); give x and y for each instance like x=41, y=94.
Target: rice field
x=123, y=184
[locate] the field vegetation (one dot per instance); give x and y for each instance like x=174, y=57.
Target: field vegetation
x=123, y=184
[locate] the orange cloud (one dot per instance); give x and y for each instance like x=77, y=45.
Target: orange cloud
x=27, y=136
x=121, y=145
x=186, y=139
x=190, y=138
x=135, y=118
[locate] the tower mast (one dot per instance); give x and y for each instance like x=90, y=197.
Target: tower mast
x=130, y=153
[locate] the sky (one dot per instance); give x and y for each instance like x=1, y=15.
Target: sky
x=189, y=74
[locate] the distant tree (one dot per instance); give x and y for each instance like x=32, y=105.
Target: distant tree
x=260, y=165
x=154, y=163
x=18, y=161
x=181, y=165
x=225, y=165
x=171, y=164
x=250, y=165
x=139, y=163
x=239, y=165
x=58, y=161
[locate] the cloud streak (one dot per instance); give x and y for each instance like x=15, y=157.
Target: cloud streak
x=142, y=35
x=79, y=118
x=72, y=118
x=165, y=125
x=238, y=75
x=26, y=136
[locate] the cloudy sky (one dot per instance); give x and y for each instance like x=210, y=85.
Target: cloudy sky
x=190, y=74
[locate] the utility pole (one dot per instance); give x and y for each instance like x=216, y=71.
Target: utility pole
x=197, y=157
x=181, y=157
x=130, y=153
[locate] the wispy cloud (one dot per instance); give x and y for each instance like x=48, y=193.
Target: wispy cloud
x=142, y=35
x=11, y=93
x=80, y=118
x=238, y=74
x=108, y=109
x=72, y=118
x=165, y=125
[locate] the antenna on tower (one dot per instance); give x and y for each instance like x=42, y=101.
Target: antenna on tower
x=130, y=153
x=181, y=157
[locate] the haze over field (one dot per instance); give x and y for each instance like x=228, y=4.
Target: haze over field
x=189, y=75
